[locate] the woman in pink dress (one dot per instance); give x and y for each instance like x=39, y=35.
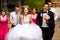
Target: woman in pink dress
x=34, y=15
x=3, y=24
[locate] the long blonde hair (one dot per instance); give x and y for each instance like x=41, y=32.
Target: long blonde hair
x=23, y=7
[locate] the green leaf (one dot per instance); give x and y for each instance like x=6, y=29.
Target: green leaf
x=34, y=3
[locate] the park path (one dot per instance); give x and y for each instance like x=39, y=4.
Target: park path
x=57, y=27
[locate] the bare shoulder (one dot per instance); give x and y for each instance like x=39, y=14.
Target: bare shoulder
x=29, y=15
x=6, y=15
x=21, y=16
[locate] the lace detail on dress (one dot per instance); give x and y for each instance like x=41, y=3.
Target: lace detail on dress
x=26, y=21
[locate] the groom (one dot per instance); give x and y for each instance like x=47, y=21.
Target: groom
x=14, y=16
x=46, y=22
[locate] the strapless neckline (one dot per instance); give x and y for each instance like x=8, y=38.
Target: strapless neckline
x=26, y=21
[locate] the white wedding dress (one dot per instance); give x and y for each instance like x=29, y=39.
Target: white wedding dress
x=25, y=31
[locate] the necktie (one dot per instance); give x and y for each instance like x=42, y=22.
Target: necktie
x=17, y=19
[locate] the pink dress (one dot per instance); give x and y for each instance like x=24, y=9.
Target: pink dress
x=3, y=27
x=34, y=19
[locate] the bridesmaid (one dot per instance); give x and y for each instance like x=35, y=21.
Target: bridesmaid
x=34, y=15
x=3, y=24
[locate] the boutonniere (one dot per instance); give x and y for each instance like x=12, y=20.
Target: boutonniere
x=46, y=16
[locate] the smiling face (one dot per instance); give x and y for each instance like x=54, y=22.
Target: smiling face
x=46, y=7
x=26, y=11
x=17, y=9
x=34, y=10
x=50, y=4
x=3, y=12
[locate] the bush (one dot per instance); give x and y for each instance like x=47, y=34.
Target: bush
x=34, y=3
x=8, y=14
x=53, y=0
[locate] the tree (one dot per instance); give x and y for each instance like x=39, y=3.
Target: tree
x=46, y=1
x=34, y=3
x=53, y=0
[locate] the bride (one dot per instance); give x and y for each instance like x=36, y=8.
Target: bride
x=25, y=30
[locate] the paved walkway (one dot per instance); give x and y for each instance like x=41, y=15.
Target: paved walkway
x=57, y=28
x=57, y=31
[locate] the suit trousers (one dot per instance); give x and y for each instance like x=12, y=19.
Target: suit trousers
x=47, y=33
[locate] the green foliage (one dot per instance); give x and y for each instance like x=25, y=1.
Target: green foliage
x=34, y=3
x=53, y=0
x=8, y=14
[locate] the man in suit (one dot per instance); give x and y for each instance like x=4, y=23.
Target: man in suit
x=52, y=9
x=46, y=22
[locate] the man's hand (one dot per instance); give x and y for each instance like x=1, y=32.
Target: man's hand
x=12, y=22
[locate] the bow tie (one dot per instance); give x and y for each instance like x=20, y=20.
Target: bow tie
x=44, y=12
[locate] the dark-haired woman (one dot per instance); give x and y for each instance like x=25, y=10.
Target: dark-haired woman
x=3, y=24
x=34, y=15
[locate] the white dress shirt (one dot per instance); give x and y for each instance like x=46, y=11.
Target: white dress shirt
x=55, y=13
x=14, y=17
x=44, y=24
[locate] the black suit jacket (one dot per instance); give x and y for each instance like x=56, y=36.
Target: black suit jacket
x=51, y=22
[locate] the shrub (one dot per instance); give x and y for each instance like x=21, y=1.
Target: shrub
x=34, y=3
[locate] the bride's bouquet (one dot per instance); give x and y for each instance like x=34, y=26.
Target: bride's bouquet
x=46, y=16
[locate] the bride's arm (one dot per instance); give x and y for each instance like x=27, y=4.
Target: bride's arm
x=31, y=19
x=20, y=19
